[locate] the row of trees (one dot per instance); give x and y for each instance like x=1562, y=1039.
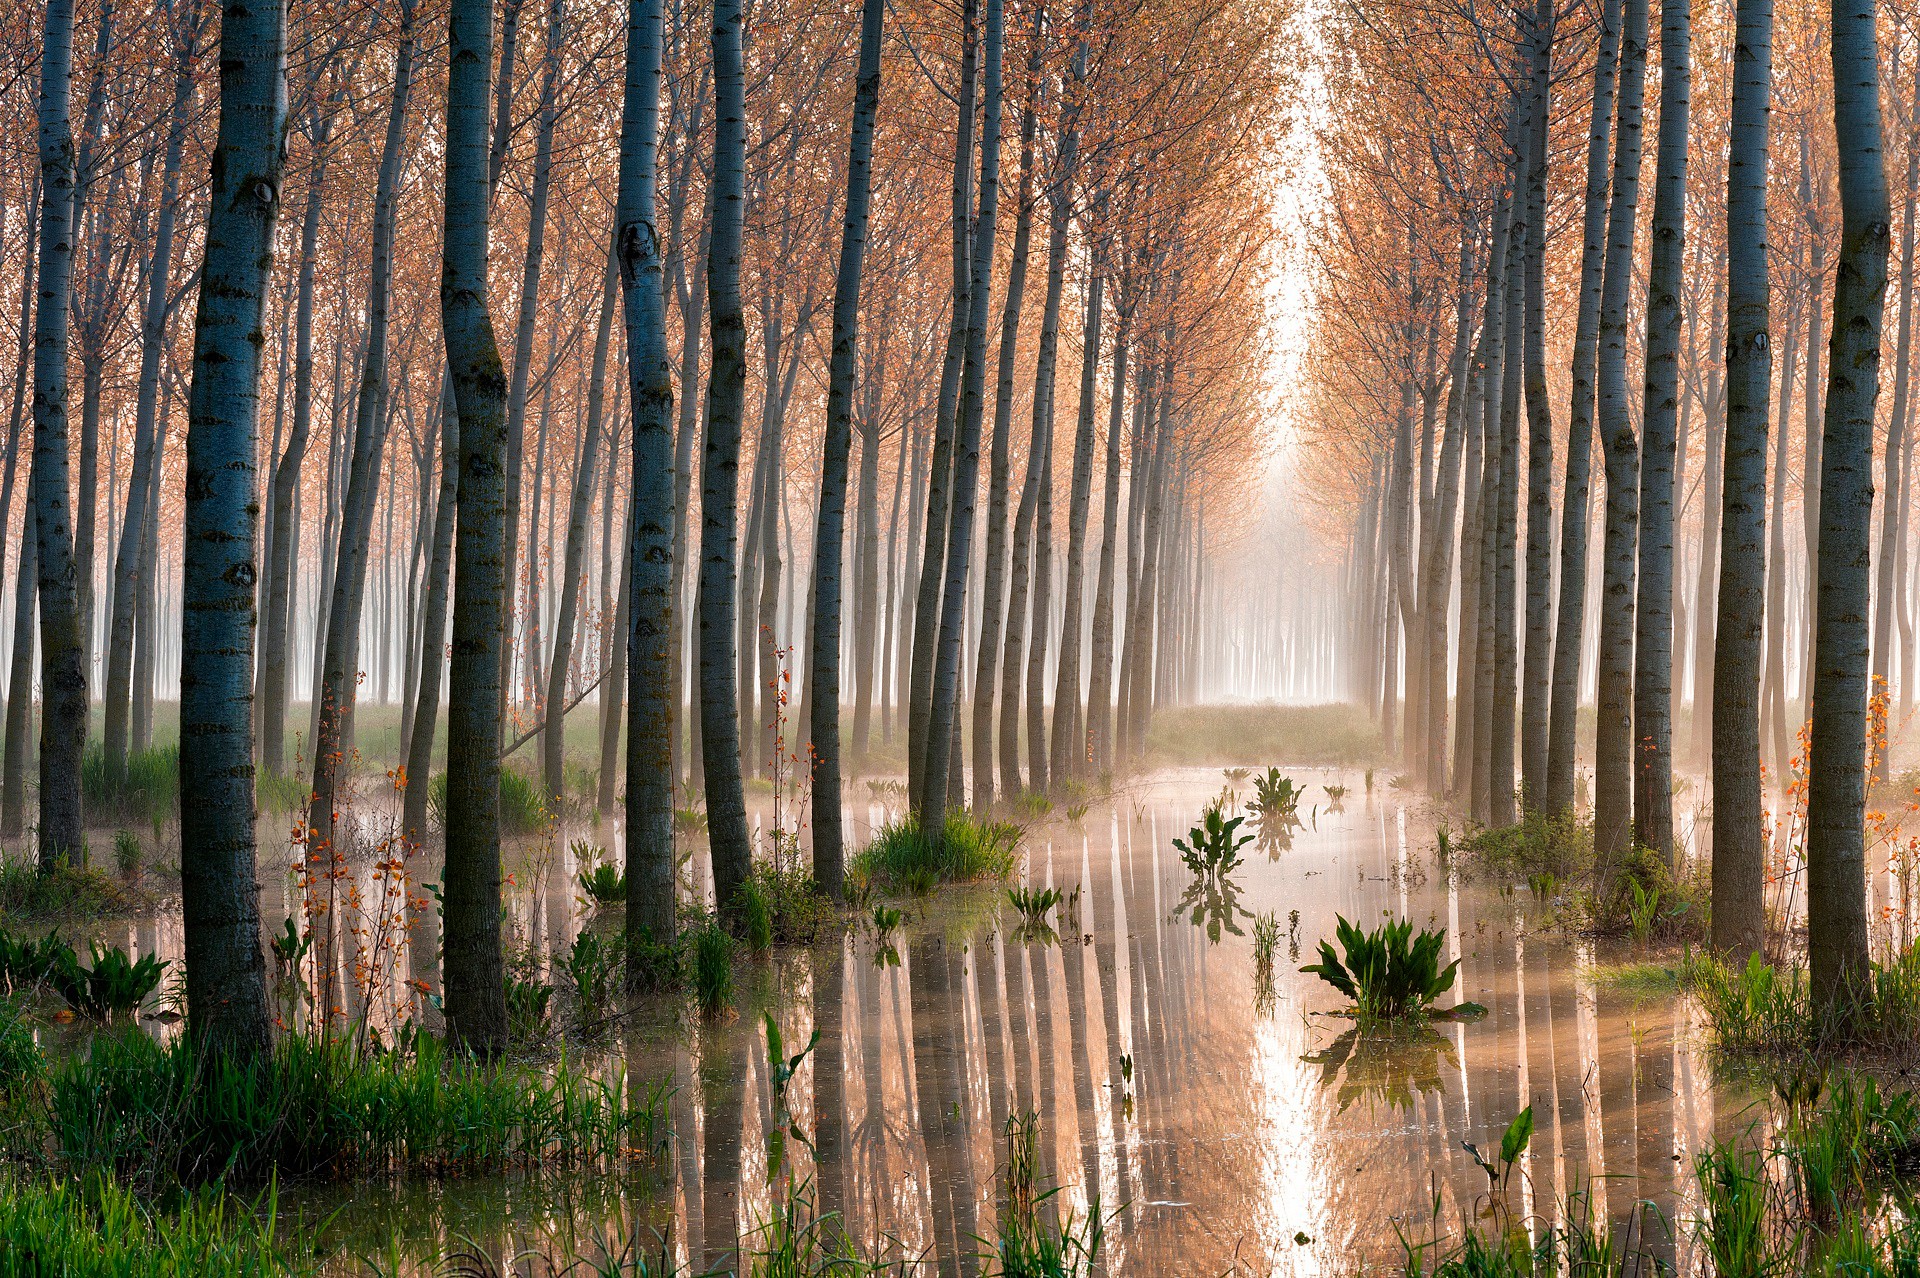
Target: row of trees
x=1491, y=257
x=533, y=544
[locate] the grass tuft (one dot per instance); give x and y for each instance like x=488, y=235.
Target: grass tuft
x=902, y=857
x=68, y=892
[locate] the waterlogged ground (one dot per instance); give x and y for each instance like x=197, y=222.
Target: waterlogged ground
x=1222, y=1123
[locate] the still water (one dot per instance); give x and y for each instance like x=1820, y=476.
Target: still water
x=1221, y=1122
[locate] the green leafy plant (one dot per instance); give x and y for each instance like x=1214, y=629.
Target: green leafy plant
x=756, y=916
x=112, y=985
x=1077, y=812
x=1335, y=793
x=1213, y=846
x=1028, y=1246
x=1266, y=940
x=528, y=1002
x=1513, y=1143
x=1644, y=912
x=902, y=856
x=604, y=883
x=25, y=962
x=1033, y=903
x=1236, y=775
x=593, y=965
x=886, y=921
x=1275, y=795
x=1389, y=973
x=1032, y=804
x=690, y=820
x=1544, y=884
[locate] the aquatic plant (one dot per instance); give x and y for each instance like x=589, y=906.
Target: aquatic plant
x=528, y=1001
x=886, y=920
x=1513, y=1143
x=796, y=911
x=1266, y=940
x=523, y=804
x=1389, y=973
x=1645, y=909
x=1335, y=793
x=604, y=884
x=1544, y=884
x=1236, y=775
x=1394, y=1068
x=25, y=962
x=756, y=917
x=901, y=854
x=127, y=858
x=594, y=967
x=281, y=793
x=712, y=969
x=1033, y=903
x=112, y=984
x=1213, y=846
x=1028, y=1246
x=1275, y=795
x=1077, y=812
x=21, y=1064
x=1032, y=804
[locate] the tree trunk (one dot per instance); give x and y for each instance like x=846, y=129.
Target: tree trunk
x=1536, y=676
x=554, y=729
x=1887, y=594
x=19, y=743
x=943, y=721
x=1569, y=634
x=651, y=615
x=1100, y=649
x=1069, y=745
x=63, y=726
x=985, y=681
x=720, y=471
x=432, y=652
x=1739, y=820
x=824, y=643
x=226, y=971
x=1836, y=793
x=1653, y=609
x=340, y=669
x=153, y=332
x=475, y=995
x=1506, y=670
x=1613, y=743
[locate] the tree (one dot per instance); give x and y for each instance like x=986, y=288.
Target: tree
x=1837, y=777
x=651, y=615
x=475, y=998
x=226, y=971
x=829, y=533
x=1740, y=836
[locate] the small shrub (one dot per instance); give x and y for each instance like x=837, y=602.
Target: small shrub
x=713, y=969
x=64, y=892
x=1389, y=973
x=1561, y=845
x=902, y=856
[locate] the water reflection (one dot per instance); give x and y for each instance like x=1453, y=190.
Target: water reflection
x=1227, y=1125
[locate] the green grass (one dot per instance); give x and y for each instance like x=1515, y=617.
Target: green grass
x=1537, y=844
x=902, y=857
x=151, y=787
x=523, y=803
x=1304, y=736
x=155, y=1115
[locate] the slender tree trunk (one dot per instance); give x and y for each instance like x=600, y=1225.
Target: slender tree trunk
x=1836, y=797
x=340, y=669
x=1811, y=491
x=1739, y=821
x=226, y=971
x=1506, y=669
x=1613, y=763
x=153, y=332
x=19, y=743
x=1712, y=478
x=63, y=725
x=1100, y=654
x=985, y=682
x=720, y=471
x=1069, y=745
x=824, y=644
x=651, y=618
x=943, y=722
x=1774, y=686
x=1653, y=609
x=1887, y=594
x=1570, y=627
x=475, y=995
x=432, y=652
x=554, y=731
x=1536, y=675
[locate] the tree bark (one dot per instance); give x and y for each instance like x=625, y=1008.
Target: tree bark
x=226, y=971
x=1653, y=609
x=1536, y=675
x=1613, y=745
x=1739, y=821
x=829, y=857
x=1836, y=793
x=720, y=470
x=475, y=1000
x=432, y=652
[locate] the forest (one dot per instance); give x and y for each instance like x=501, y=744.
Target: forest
x=791, y=742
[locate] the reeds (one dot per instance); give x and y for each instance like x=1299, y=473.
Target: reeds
x=902, y=856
